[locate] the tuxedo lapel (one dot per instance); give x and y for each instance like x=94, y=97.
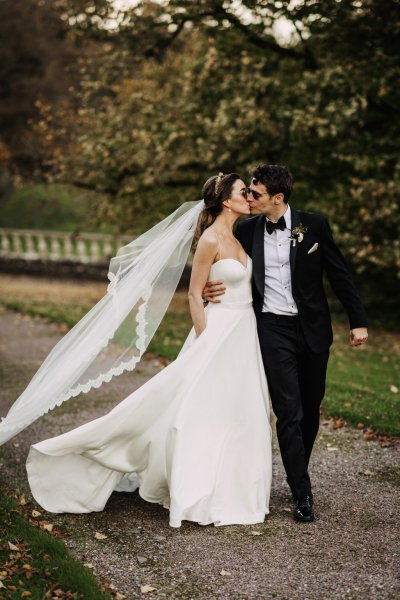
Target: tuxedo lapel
x=293, y=248
x=258, y=254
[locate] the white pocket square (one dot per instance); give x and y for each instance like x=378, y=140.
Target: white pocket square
x=313, y=248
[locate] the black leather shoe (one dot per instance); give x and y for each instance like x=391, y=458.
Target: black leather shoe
x=311, y=497
x=303, y=510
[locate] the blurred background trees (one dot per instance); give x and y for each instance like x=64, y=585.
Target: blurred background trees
x=134, y=104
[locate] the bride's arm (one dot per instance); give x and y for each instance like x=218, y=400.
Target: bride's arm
x=204, y=256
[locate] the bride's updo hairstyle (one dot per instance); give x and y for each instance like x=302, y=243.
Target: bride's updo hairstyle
x=216, y=190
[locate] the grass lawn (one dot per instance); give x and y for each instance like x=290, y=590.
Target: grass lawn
x=34, y=563
x=361, y=385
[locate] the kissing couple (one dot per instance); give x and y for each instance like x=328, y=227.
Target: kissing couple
x=196, y=437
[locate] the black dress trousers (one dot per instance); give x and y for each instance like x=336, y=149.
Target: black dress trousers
x=296, y=379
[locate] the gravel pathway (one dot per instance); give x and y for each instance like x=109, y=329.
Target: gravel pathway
x=349, y=551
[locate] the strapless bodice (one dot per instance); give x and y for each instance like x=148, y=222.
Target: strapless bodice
x=237, y=280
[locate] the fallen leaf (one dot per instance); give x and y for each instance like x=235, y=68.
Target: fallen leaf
x=255, y=532
x=26, y=594
x=27, y=567
x=2, y=586
x=223, y=572
x=360, y=426
x=22, y=500
x=48, y=526
x=119, y=596
x=36, y=513
x=394, y=389
x=332, y=448
x=88, y=565
x=146, y=588
x=100, y=536
x=368, y=472
x=16, y=444
x=12, y=546
x=108, y=586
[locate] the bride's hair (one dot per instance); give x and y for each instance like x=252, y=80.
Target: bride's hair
x=215, y=190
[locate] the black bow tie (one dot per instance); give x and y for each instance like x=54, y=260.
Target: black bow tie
x=270, y=226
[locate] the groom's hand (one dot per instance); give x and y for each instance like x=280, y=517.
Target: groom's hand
x=358, y=336
x=212, y=289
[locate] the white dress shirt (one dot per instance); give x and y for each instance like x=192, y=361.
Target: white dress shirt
x=278, y=297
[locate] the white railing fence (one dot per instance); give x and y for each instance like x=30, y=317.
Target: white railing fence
x=32, y=244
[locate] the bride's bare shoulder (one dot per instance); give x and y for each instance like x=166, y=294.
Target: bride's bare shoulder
x=208, y=243
x=209, y=237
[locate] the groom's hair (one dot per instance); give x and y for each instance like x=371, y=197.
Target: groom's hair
x=277, y=179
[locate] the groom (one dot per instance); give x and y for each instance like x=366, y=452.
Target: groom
x=291, y=250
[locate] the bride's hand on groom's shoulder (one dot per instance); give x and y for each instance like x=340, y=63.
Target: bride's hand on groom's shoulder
x=212, y=290
x=358, y=336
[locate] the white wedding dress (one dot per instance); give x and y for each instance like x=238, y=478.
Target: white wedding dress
x=195, y=438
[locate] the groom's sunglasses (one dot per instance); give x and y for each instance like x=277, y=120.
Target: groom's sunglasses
x=256, y=195
x=248, y=192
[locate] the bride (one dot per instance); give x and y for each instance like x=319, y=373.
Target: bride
x=196, y=437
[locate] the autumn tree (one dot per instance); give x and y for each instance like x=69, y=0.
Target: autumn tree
x=172, y=92
x=37, y=59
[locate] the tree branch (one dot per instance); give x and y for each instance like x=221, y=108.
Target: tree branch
x=310, y=60
x=257, y=40
x=220, y=14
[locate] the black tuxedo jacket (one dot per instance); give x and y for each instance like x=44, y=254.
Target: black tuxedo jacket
x=307, y=275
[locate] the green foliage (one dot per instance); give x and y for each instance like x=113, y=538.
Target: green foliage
x=41, y=564
x=183, y=89
x=50, y=207
x=37, y=51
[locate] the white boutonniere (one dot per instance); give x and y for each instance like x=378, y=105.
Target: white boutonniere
x=297, y=234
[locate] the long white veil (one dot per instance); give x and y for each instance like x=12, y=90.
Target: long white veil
x=112, y=337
